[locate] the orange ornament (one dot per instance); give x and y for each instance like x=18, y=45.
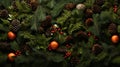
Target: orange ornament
x=115, y=38
x=11, y=35
x=11, y=56
x=54, y=45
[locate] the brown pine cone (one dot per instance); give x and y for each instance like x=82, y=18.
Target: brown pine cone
x=49, y=18
x=33, y=4
x=81, y=35
x=89, y=22
x=46, y=23
x=96, y=9
x=4, y=13
x=14, y=6
x=99, y=2
x=15, y=25
x=112, y=28
x=96, y=49
x=69, y=39
x=88, y=13
x=70, y=6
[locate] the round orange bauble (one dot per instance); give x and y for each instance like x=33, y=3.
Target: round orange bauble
x=115, y=38
x=54, y=45
x=11, y=56
x=11, y=35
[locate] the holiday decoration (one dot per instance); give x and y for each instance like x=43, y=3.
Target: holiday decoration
x=69, y=6
x=112, y=28
x=11, y=56
x=15, y=25
x=60, y=33
x=17, y=53
x=11, y=35
x=96, y=49
x=115, y=38
x=53, y=45
x=4, y=13
x=96, y=8
x=80, y=6
x=67, y=54
x=33, y=4
x=89, y=22
x=88, y=13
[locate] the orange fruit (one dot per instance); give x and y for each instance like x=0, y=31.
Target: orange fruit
x=115, y=38
x=11, y=56
x=54, y=45
x=11, y=35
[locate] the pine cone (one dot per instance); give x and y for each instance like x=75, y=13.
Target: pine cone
x=96, y=49
x=14, y=5
x=48, y=18
x=33, y=4
x=89, y=22
x=96, y=8
x=81, y=35
x=99, y=2
x=15, y=25
x=112, y=28
x=47, y=23
x=88, y=13
x=69, y=39
x=4, y=13
x=70, y=6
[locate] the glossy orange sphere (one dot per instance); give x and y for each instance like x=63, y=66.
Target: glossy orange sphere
x=11, y=56
x=11, y=35
x=54, y=45
x=115, y=38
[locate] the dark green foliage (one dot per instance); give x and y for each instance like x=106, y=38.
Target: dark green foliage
x=35, y=29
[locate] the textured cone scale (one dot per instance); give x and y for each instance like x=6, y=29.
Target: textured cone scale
x=88, y=13
x=81, y=35
x=96, y=49
x=15, y=25
x=70, y=6
x=89, y=22
x=33, y=4
x=69, y=39
x=96, y=8
x=4, y=13
x=46, y=23
x=112, y=28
